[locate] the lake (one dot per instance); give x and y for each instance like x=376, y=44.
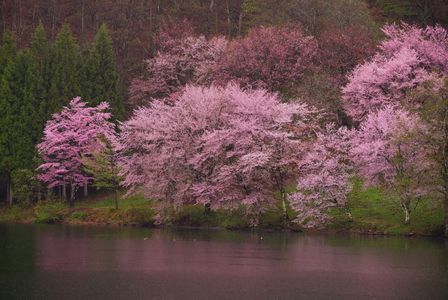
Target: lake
x=74, y=262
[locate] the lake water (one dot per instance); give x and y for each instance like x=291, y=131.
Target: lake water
x=70, y=262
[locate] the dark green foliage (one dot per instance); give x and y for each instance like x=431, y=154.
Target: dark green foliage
x=40, y=51
x=425, y=12
x=39, y=81
x=103, y=166
x=8, y=52
x=48, y=213
x=142, y=216
x=100, y=81
x=25, y=185
x=65, y=70
x=20, y=131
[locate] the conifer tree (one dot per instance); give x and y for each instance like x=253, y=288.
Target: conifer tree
x=7, y=54
x=65, y=70
x=104, y=168
x=40, y=51
x=20, y=131
x=101, y=78
x=8, y=50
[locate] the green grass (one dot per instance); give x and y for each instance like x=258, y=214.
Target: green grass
x=49, y=212
x=373, y=211
x=109, y=202
x=15, y=214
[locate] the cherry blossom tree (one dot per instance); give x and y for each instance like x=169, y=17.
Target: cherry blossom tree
x=68, y=137
x=387, y=151
x=323, y=178
x=179, y=61
x=268, y=57
x=221, y=147
x=407, y=58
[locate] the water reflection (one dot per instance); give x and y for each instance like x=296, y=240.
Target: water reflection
x=99, y=262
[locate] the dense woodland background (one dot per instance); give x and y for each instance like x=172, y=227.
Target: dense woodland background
x=130, y=52
x=135, y=23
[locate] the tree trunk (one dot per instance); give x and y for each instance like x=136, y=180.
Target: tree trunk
x=82, y=16
x=9, y=193
x=229, y=29
x=407, y=214
x=116, y=199
x=86, y=190
x=207, y=209
x=39, y=193
x=445, y=202
x=444, y=167
x=407, y=218
x=64, y=192
x=285, y=211
x=53, y=19
x=240, y=22
x=72, y=195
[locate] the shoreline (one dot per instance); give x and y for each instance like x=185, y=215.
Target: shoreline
x=371, y=215
x=328, y=231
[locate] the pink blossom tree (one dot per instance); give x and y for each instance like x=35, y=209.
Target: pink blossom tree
x=268, y=57
x=221, y=147
x=323, y=178
x=180, y=60
x=407, y=58
x=387, y=151
x=68, y=137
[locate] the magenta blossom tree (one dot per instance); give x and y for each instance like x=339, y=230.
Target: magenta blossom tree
x=221, y=147
x=407, y=58
x=387, y=151
x=323, y=178
x=179, y=61
x=268, y=57
x=68, y=137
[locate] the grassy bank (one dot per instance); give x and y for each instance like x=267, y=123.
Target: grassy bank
x=371, y=213
x=374, y=213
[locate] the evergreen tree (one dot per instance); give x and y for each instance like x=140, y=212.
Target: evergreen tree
x=40, y=50
x=20, y=131
x=7, y=50
x=7, y=54
x=65, y=71
x=101, y=78
x=104, y=168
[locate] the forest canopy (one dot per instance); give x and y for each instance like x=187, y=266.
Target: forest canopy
x=230, y=105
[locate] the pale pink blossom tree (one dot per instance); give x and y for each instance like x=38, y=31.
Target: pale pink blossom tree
x=323, y=178
x=182, y=60
x=68, y=137
x=221, y=147
x=387, y=151
x=408, y=57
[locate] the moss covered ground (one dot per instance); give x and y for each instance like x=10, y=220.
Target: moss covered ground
x=371, y=211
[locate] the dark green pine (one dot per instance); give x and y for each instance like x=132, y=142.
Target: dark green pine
x=20, y=131
x=8, y=51
x=101, y=78
x=65, y=70
x=40, y=51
